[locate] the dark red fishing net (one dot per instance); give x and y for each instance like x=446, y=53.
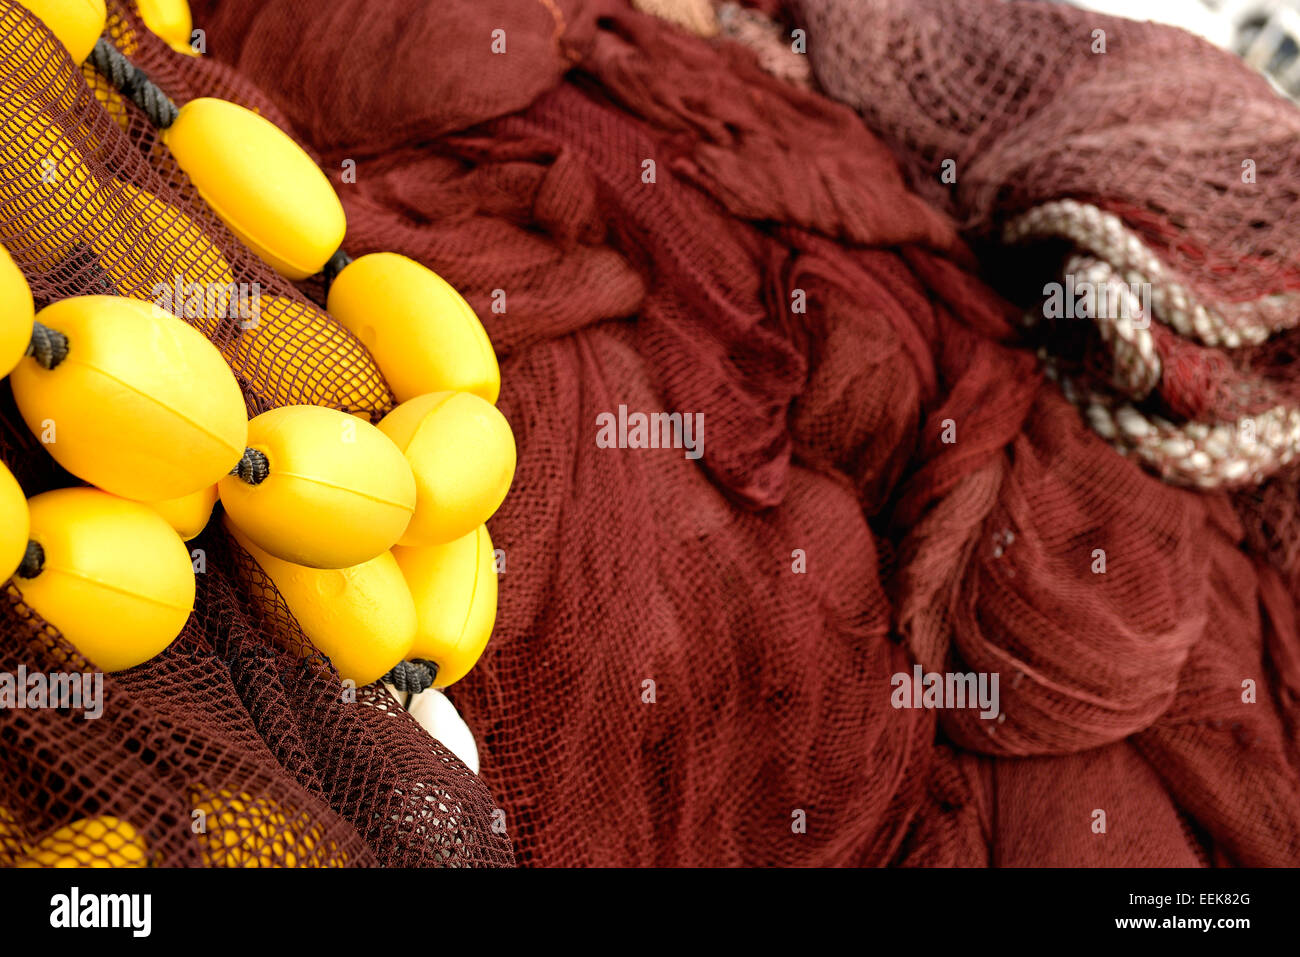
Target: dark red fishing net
x=238, y=719
x=692, y=659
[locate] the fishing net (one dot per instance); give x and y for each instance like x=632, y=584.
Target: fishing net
x=1124, y=154
x=693, y=657
x=239, y=745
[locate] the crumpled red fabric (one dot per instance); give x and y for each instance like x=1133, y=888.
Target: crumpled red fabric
x=692, y=662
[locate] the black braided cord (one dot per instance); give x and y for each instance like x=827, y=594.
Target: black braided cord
x=133, y=83
x=333, y=266
x=48, y=346
x=412, y=676
x=33, y=562
x=253, y=467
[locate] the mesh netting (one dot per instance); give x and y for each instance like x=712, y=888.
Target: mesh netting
x=1192, y=161
x=770, y=694
x=239, y=720
x=693, y=659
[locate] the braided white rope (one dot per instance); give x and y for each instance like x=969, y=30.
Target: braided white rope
x=1225, y=454
x=1137, y=366
x=1105, y=236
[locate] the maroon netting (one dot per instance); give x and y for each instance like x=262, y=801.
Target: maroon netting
x=1199, y=157
x=237, y=719
x=823, y=434
x=692, y=659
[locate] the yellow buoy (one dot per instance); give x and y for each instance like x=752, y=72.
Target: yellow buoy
x=13, y=846
x=16, y=313
x=261, y=183
x=169, y=19
x=293, y=352
x=46, y=188
x=102, y=841
x=336, y=491
x=14, y=524
x=154, y=252
x=455, y=591
x=142, y=405
x=238, y=830
x=362, y=617
x=77, y=23
x=423, y=334
x=188, y=514
x=462, y=454
x=113, y=576
x=113, y=102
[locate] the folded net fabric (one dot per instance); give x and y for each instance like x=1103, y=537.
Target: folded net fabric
x=823, y=433
x=1135, y=155
x=238, y=746
x=693, y=658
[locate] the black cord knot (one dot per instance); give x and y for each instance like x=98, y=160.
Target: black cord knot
x=412, y=676
x=48, y=346
x=253, y=467
x=333, y=266
x=33, y=562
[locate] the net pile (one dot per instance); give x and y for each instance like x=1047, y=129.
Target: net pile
x=239, y=719
x=693, y=658
x=1136, y=153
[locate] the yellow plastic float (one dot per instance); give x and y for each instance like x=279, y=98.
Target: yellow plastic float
x=261, y=184
x=102, y=841
x=244, y=831
x=362, y=617
x=16, y=314
x=317, y=497
x=273, y=349
x=15, y=524
x=114, y=103
x=46, y=187
x=77, y=23
x=142, y=405
x=462, y=454
x=423, y=334
x=113, y=576
x=333, y=491
x=296, y=354
x=455, y=591
x=171, y=20
x=187, y=273
x=188, y=514
x=12, y=845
